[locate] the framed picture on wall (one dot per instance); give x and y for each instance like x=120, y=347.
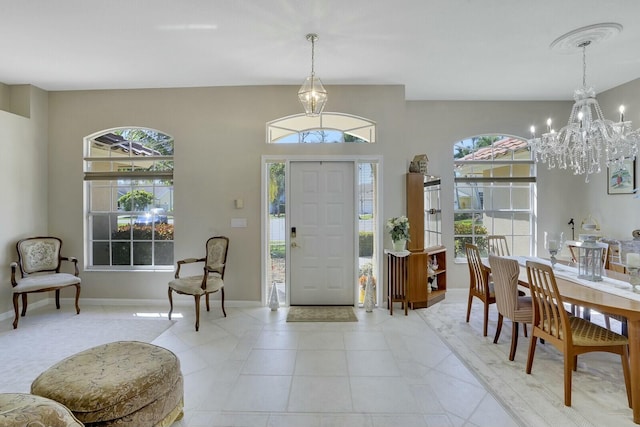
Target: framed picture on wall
x=622, y=180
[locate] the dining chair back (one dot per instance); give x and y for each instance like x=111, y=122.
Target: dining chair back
x=510, y=304
x=606, y=256
x=497, y=245
x=479, y=285
x=570, y=335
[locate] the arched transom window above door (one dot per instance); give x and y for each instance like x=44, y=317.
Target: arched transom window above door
x=329, y=128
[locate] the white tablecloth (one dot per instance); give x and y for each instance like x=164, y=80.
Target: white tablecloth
x=609, y=285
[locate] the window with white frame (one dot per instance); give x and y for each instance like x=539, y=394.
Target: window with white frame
x=494, y=193
x=327, y=128
x=128, y=175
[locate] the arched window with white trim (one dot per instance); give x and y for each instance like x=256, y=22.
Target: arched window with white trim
x=128, y=174
x=326, y=128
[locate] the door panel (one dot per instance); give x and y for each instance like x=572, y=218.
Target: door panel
x=321, y=253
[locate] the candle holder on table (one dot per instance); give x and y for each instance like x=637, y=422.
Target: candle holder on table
x=553, y=244
x=633, y=268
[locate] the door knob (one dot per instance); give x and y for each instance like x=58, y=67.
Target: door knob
x=294, y=245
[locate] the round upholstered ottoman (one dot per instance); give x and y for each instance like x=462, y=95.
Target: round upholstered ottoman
x=124, y=383
x=26, y=410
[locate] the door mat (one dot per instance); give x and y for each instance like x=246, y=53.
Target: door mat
x=321, y=314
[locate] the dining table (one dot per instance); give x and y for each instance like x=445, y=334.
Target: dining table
x=612, y=295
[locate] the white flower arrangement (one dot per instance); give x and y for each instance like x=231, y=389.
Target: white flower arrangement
x=398, y=227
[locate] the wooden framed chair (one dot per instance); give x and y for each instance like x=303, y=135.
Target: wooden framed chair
x=211, y=281
x=40, y=262
x=518, y=309
x=571, y=335
x=586, y=312
x=497, y=245
x=479, y=285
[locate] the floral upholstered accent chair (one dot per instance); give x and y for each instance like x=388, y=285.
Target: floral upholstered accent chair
x=39, y=262
x=211, y=281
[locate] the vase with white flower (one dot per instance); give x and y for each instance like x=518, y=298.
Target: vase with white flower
x=398, y=228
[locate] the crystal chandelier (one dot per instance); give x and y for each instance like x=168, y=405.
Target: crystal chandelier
x=312, y=94
x=588, y=139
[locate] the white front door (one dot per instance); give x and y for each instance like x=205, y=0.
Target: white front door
x=321, y=211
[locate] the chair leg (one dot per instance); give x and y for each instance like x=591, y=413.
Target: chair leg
x=207, y=301
x=524, y=327
x=498, y=328
x=532, y=350
x=486, y=319
x=222, y=298
x=58, y=299
x=15, y=308
x=77, y=299
x=24, y=305
x=170, y=302
x=197, y=300
x=624, y=356
x=623, y=328
x=514, y=340
x=568, y=368
x=586, y=313
x=607, y=321
x=469, y=306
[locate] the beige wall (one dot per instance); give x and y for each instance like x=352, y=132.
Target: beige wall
x=24, y=171
x=618, y=214
x=219, y=140
x=220, y=133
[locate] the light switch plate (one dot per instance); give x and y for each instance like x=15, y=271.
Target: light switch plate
x=238, y=222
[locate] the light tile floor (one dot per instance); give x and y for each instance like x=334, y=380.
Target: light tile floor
x=255, y=369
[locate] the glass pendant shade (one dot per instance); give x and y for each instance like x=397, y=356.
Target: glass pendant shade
x=313, y=96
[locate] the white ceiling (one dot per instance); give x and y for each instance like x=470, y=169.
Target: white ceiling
x=437, y=49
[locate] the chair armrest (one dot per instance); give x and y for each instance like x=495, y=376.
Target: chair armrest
x=186, y=261
x=74, y=260
x=214, y=268
x=13, y=266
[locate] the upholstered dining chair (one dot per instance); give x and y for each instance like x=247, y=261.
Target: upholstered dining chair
x=479, y=285
x=211, y=281
x=497, y=245
x=518, y=309
x=571, y=335
x=40, y=262
x=586, y=312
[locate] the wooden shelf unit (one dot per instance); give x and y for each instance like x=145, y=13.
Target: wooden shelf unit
x=408, y=279
x=418, y=294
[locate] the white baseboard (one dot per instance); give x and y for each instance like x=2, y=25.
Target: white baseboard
x=42, y=303
x=177, y=302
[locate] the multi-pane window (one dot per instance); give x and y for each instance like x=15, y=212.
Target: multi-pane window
x=494, y=193
x=129, y=200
